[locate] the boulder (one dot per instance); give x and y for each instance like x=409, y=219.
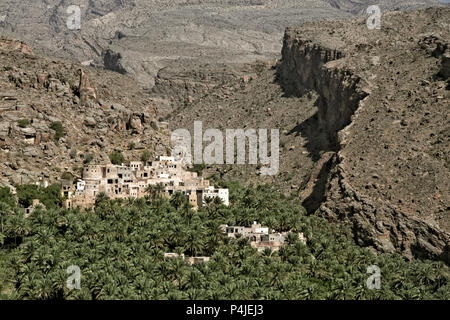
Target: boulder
x=90, y=122
x=4, y=129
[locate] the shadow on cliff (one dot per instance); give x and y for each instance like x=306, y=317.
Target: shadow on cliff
x=319, y=139
x=319, y=142
x=318, y=194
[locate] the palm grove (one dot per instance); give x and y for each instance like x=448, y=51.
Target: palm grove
x=119, y=247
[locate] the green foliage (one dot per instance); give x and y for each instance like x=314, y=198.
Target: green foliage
x=116, y=158
x=154, y=125
x=101, y=199
x=88, y=158
x=155, y=191
x=197, y=168
x=6, y=196
x=58, y=128
x=6, y=275
x=67, y=176
x=50, y=197
x=119, y=248
x=145, y=156
x=23, y=123
x=26, y=194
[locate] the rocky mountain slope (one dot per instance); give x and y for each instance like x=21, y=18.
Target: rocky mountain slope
x=99, y=111
x=141, y=37
x=364, y=122
x=363, y=114
x=386, y=93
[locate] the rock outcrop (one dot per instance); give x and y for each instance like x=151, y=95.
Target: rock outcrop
x=86, y=90
x=9, y=45
x=56, y=116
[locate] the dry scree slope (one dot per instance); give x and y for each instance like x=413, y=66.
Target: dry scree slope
x=100, y=111
x=141, y=36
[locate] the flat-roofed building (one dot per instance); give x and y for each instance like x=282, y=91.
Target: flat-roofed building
x=259, y=236
x=133, y=180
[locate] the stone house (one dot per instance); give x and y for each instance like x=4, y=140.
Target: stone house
x=172, y=255
x=122, y=181
x=259, y=236
x=34, y=205
x=195, y=260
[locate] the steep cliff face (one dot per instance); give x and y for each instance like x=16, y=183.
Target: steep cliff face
x=305, y=68
x=382, y=103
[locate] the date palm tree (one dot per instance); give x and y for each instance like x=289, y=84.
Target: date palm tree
x=155, y=191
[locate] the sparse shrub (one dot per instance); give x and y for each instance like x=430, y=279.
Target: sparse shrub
x=73, y=154
x=154, y=125
x=88, y=158
x=58, y=128
x=131, y=145
x=197, y=168
x=288, y=177
x=67, y=176
x=64, y=79
x=145, y=156
x=23, y=123
x=78, y=170
x=116, y=158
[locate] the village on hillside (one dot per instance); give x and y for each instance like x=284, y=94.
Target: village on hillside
x=165, y=176
x=132, y=181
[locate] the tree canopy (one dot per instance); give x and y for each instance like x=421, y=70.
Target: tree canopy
x=119, y=247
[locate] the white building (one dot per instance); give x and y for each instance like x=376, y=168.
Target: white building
x=81, y=185
x=211, y=192
x=163, y=158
